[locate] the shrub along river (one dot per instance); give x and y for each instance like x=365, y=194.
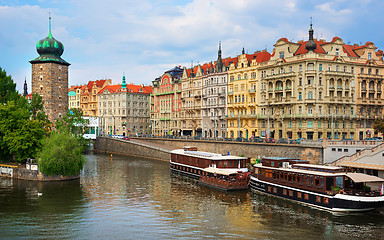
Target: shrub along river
x=133, y=198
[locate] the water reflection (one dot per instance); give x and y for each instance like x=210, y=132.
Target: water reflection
x=131, y=198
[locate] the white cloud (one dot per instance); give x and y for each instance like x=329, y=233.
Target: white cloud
x=145, y=38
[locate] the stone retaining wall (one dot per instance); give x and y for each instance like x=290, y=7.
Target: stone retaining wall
x=314, y=154
x=119, y=146
x=20, y=172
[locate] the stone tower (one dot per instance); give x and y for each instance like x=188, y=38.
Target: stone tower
x=50, y=76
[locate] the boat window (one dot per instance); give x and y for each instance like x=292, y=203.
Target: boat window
x=272, y=163
x=290, y=177
x=230, y=163
x=317, y=181
x=339, y=182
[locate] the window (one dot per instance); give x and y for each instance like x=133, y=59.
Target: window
x=281, y=54
x=320, y=67
x=290, y=69
x=320, y=96
x=290, y=124
x=361, y=70
x=337, y=52
x=310, y=95
x=319, y=124
x=300, y=68
x=369, y=56
x=369, y=71
x=377, y=71
x=300, y=124
x=310, y=124
x=310, y=66
x=337, y=68
x=300, y=97
x=300, y=81
x=309, y=110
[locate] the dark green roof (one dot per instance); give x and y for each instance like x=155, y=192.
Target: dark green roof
x=49, y=49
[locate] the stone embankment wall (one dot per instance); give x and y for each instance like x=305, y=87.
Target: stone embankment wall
x=119, y=146
x=314, y=154
x=21, y=172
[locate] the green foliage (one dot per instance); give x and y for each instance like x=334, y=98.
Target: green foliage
x=74, y=123
x=61, y=155
x=379, y=126
x=23, y=125
x=20, y=136
x=7, y=88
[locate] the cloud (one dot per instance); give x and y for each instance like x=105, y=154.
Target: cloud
x=145, y=38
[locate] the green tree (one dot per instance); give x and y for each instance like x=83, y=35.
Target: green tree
x=74, y=123
x=61, y=155
x=379, y=126
x=7, y=88
x=20, y=135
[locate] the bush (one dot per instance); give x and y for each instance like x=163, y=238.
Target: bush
x=61, y=155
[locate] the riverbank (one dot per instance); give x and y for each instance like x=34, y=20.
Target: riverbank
x=30, y=172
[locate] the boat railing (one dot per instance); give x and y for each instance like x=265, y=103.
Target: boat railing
x=354, y=192
x=224, y=182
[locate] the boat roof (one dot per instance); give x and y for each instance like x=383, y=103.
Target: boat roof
x=222, y=171
x=302, y=171
x=356, y=177
x=361, y=177
x=317, y=166
x=207, y=155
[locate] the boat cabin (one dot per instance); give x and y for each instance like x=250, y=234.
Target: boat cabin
x=330, y=180
x=191, y=157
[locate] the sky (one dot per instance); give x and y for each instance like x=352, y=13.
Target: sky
x=143, y=39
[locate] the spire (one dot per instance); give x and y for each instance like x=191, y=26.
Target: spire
x=243, y=52
x=50, y=33
x=219, y=62
x=311, y=45
x=25, y=88
x=124, y=84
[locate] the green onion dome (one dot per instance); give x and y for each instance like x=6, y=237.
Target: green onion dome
x=50, y=49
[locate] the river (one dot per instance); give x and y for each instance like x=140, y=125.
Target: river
x=132, y=198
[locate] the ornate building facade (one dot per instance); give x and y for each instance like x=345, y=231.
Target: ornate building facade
x=243, y=89
x=307, y=90
x=369, y=86
x=50, y=76
x=214, y=107
x=166, y=103
x=124, y=109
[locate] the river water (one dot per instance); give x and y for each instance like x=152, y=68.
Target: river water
x=133, y=198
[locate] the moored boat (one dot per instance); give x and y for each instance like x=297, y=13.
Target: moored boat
x=191, y=162
x=225, y=179
x=326, y=187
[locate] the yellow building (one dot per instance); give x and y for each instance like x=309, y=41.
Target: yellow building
x=307, y=90
x=369, y=85
x=242, y=94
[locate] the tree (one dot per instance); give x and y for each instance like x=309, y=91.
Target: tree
x=7, y=88
x=20, y=135
x=74, y=123
x=61, y=155
x=379, y=126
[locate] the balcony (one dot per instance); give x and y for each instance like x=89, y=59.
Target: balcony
x=288, y=88
x=230, y=93
x=197, y=96
x=331, y=87
x=279, y=75
x=278, y=89
x=252, y=90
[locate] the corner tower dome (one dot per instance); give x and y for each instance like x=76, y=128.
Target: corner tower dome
x=50, y=49
x=311, y=45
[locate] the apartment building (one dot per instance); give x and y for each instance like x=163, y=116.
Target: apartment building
x=243, y=90
x=166, y=103
x=124, y=109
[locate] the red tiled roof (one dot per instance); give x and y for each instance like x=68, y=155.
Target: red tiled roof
x=303, y=50
x=130, y=88
x=349, y=49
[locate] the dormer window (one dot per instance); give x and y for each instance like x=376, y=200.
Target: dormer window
x=369, y=56
x=281, y=54
x=337, y=52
